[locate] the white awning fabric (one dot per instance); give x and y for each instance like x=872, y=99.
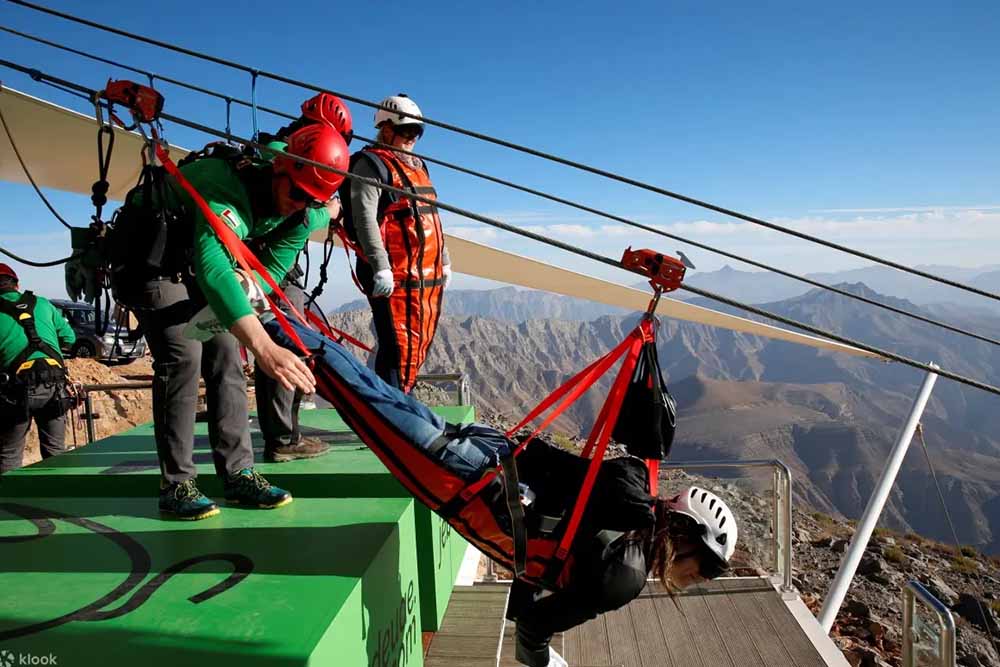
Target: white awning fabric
x=59, y=147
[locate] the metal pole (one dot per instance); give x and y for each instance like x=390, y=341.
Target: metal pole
x=908, y=604
x=866, y=525
x=88, y=406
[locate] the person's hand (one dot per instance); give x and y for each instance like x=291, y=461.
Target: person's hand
x=383, y=283
x=334, y=208
x=446, y=274
x=285, y=367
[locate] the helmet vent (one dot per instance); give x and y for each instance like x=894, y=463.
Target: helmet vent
x=694, y=491
x=722, y=523
x=711, y=504
x=721, y=539
x=718, y=512
x=704, y=494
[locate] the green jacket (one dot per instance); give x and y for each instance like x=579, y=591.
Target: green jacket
x=51, y=326
x=242, y=200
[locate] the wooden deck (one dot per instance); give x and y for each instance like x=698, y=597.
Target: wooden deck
x=726, y=623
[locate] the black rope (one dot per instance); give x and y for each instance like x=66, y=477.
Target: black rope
x=552, y=242
x=24, y=167
x=22, y=260
x=520, y=148
x=544, y=195
x=954, y=534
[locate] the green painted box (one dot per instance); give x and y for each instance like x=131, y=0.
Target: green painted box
x=89, y=581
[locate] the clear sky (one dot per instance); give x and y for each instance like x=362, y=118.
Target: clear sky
x=873, y=124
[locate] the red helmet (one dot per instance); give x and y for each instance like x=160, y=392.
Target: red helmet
x=319, y=143
x=5, y=270
x=330, y=109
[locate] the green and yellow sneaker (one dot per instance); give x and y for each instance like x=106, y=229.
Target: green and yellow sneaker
x=183, y=500
x=248, y=487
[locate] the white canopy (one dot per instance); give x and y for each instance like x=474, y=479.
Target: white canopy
x=59, y=147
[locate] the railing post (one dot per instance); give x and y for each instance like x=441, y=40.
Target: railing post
x=866, y=525
x=946, y=625
x=88, y=406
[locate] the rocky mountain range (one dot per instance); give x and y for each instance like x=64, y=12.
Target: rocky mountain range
x=832, y=418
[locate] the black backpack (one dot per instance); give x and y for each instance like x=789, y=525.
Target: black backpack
x=648, y=414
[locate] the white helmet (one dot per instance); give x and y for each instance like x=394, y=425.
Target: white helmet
x=708, y=510
x=389, y=108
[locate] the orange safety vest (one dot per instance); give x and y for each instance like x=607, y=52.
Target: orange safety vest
x=413, y=239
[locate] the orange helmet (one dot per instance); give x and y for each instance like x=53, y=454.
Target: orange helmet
x=319, y=143
x=330, y=109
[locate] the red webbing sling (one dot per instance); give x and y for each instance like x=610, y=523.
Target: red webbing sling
x=600, y=434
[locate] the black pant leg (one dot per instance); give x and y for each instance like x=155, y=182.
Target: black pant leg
x=14, y=424
x=176, y=364
x=228, y=413
x=277, y=407
x=49, y=411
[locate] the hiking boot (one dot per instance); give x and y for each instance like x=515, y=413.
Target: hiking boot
x=305, y=448
x=184, y=501
x=248, y=487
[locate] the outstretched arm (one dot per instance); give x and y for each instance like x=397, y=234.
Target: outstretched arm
x=277, y=362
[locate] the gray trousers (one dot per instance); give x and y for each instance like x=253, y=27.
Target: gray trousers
x=277, y=407
x=44, y=404
x=177, y=364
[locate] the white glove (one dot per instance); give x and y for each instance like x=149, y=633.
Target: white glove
x=556, y=660
x=446, y=273
x=383, y=283
x=205, y=325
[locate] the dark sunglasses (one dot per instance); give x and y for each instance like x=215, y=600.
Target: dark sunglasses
x=409, y=131
x=298, y=194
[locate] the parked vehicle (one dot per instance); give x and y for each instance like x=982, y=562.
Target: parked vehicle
x=83, y=319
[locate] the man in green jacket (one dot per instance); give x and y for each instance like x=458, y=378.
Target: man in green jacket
x=277, y=203
x=32, y=372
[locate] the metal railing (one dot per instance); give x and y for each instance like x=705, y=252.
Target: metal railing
x=464, y=396
x=781, y=517
x=940, y=645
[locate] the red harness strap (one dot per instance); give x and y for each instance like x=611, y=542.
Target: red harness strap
x=597, y=443
x=243, y=256
x=333, y=332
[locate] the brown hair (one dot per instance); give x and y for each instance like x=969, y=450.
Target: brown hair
x=663, y=549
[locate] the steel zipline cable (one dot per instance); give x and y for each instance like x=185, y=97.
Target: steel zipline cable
x=88, y=94
x=22, y=260
x=258, y=73
x=538, y=193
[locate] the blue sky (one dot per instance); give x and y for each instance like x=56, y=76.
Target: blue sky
x=873, y=124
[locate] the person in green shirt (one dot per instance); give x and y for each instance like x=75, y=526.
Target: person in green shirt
x=257, y=200
x=32, y=371
x=277, y=407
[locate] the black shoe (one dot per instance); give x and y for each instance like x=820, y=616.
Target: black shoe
x=183, y=500
x=305, y=448
x=248, y=487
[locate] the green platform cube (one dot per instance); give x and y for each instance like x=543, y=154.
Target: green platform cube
x=105, y=581
x=125, y=465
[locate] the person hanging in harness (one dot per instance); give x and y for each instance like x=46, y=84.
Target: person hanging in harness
x=254, y=198
x=32, y=371
x=624, y=534
x=277, y=407
x=403, y=266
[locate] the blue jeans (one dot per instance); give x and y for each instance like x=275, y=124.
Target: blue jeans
x=471, y=450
